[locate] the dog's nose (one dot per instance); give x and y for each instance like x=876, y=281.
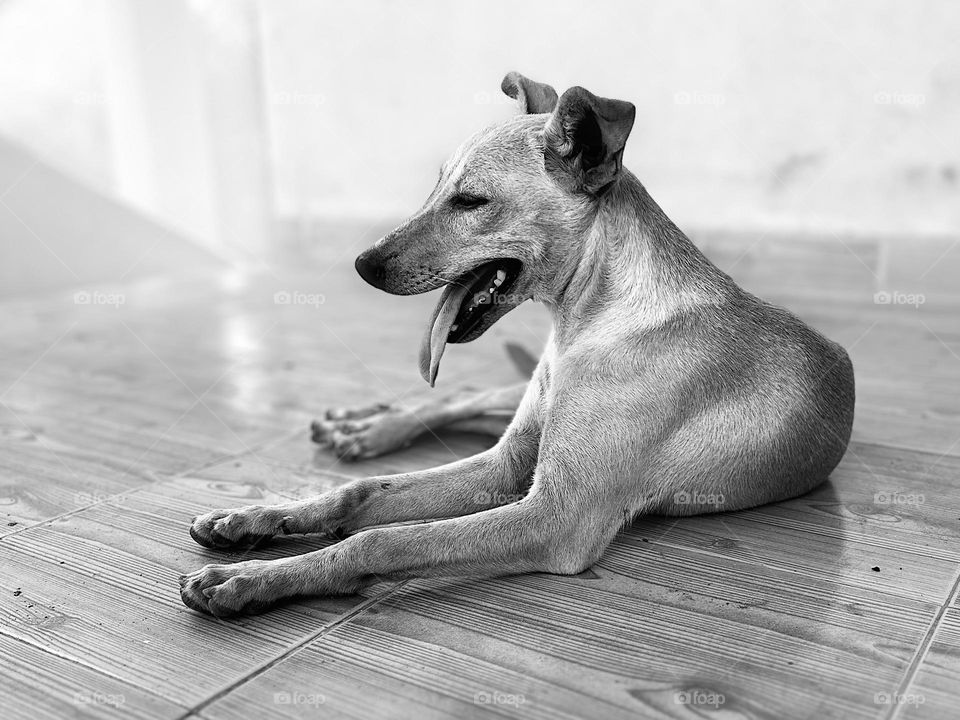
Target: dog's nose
x=370, y=268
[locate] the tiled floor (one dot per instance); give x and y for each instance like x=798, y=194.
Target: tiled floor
x=119, y=422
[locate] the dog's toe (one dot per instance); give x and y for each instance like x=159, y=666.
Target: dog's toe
x=191, y=595
x=351, y=427
x=347, y=447
x=320, y=431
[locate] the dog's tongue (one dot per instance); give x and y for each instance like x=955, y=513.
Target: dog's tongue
x=435, y=339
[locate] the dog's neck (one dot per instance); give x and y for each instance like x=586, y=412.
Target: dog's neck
x=632, y=260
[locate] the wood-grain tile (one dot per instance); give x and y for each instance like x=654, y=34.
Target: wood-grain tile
x=778, y=610
x=41, y=685
x=933, y=692
x=118, y=424
x=100, y=587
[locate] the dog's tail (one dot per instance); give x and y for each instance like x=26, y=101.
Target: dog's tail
x=521, y=358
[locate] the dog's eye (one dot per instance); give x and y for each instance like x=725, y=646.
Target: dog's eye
x=468, y=202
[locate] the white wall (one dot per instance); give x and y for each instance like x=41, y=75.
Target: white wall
x=156, y=103
x=209, y=114
x=795, y=114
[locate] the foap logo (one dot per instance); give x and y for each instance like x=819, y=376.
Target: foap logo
x=688, y=97
x=699, y=498
x=301, y=99
x=89, y=98
x=700, y=698
x=293, y=297
x=83, y=499
x=496, y=697
x=899, y=699
x=114, y=700
x=485, y=98
x=896, y=497
x=299, y=698
x=885, y=97
x=506, y=298
x=85, y=297
x=489, y=498
x=895, y=297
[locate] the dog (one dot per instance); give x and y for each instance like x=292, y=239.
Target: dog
x=664, y=388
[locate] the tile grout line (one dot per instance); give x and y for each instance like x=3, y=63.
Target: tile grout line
x=150, y=483
x=921, y=652
x=950, y=453
x=291, y=650
x=254, y=672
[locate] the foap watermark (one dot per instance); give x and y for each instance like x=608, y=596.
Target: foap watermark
x=301, y=99
x=695, y=97
x=83, y=499
x=699, y=498
x=93, y=697
x=700, y=698
x=84, y=297
x=885, y=97
x=489, y=498
x=293, y=297
x=495, y=697
x=895, y=297
x=299, y=698
x=90, y=98
x=485, y=98
x=895, y=698
x=895, y=497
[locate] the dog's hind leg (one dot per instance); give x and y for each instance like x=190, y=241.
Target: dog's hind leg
x=360, y=434
x=492, y=424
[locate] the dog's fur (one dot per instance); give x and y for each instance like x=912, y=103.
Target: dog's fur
x=664, y=388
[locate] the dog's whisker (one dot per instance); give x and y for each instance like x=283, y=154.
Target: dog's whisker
x=447, y=281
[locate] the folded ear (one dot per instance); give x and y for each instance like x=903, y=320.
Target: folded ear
x=534, y=97
x=585, y=138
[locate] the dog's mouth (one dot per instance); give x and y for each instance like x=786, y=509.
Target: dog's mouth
x=468, y=307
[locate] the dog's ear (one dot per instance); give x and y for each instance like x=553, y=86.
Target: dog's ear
x=534, y=97
x=585, y=138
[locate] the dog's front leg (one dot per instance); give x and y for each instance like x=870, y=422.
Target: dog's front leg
x=549, y=530
x=574, y=508
x=497, y=476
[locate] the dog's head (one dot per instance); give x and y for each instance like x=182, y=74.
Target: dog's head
x=508, y=206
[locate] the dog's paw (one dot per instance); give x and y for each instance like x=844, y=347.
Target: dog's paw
x=365, y=433
x=244, y=588
x=243, y=527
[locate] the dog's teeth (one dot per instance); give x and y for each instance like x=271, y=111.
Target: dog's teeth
x=453, y=328
x=501, y=276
